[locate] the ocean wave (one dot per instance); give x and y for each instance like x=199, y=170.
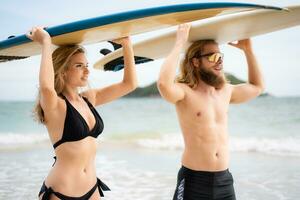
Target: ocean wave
x=165, y=142
x=171, y=141
x=275, y=146
x=13, y=140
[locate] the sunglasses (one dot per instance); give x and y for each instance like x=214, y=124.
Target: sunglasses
x=213, y=57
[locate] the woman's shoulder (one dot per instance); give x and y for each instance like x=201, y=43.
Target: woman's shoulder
x=90, y=95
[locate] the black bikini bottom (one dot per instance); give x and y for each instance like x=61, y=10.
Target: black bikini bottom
x=47, y=191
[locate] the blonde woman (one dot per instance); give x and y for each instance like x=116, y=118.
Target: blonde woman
x=71, y=119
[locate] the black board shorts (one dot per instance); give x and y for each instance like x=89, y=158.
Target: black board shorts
x=204, y=185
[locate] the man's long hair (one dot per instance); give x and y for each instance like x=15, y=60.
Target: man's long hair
x=189, y=74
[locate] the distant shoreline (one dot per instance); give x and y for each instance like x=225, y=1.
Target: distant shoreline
x=152, y=91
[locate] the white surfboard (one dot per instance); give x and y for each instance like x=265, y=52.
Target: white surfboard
x=108, y=27
x=222, y=29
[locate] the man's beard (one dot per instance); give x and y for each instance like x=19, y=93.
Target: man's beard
x=208, y=77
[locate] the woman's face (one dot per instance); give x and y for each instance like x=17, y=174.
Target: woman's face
x=77, y=73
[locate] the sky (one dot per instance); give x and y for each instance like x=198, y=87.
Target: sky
x=277, y=53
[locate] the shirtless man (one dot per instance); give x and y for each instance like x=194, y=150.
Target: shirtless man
x=202, y=96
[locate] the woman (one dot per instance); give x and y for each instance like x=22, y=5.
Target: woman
x=72, y=121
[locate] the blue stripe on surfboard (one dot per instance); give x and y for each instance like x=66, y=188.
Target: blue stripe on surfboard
x=125, y=16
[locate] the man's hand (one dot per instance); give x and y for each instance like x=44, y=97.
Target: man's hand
x=244, y=45
x=182, y=34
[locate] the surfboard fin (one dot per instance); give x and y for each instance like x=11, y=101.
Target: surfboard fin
x=115, y=45
x=105, y=51
x=10, y=58
x=118, y=63
x=11, y=36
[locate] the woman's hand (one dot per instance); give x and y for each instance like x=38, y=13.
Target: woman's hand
x=38, y=34
x=123, y=41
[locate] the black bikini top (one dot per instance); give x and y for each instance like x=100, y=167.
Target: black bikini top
x=75, y=126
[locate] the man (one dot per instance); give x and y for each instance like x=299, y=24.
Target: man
x=202, y=96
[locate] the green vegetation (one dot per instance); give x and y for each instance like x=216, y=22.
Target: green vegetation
x=152, y=91
x=148, y=91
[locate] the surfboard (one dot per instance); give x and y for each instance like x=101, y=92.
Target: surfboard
x=222, y=29
x=118, y=25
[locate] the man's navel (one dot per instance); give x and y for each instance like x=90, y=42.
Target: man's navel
x=198, y=114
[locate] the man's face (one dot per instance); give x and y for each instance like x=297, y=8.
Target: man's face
x=210, y=65
x=206, y=61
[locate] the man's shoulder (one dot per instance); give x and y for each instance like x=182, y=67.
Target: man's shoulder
x=228, y=86
x=183, y=85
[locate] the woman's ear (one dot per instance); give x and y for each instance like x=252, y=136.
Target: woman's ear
x=195, y=62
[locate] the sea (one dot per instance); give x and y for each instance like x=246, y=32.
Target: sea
x=140, y=149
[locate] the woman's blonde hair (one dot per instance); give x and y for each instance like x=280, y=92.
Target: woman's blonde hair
x=61, y=59
x=189, y=74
